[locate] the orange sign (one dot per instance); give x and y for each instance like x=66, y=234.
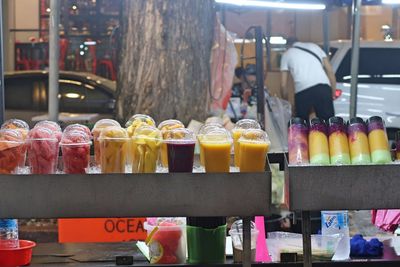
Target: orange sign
x=101, y=230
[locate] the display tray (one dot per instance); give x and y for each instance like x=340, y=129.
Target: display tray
x=351, y=187
x=135, y=195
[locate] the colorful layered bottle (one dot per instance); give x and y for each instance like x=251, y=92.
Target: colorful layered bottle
x=378, y=141
x=358, y=142
x=298, y=142
x=338, y=143
x=237, y=131
x=318, y=143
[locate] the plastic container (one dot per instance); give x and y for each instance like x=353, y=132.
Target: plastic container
x=20, y=256
x=358, y=141
x=180, y=147
x=236, y=234
x=8, y=233
x=206, y=246
x=338, y=142
x=75, y=149
x=12, y=150
x=79, y=127
x=318, y=143
x=237, y=133
x=147, y=140
x=298, y=142
x=43, y=147
x=337, y=223
x=167, y=242
x=216, y=146
x=203, y=130
x=114, y=143
x=254, y=146
x=323, y=247
x=23, y=128
x=51, y=125
x=164, y=127
x=97, y=128
x=378, y=141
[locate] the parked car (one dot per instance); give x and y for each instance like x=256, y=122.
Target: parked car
x=379, y=81
x=26, y=94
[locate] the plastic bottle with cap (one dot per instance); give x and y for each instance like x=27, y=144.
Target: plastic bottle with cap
x=8, y=233
x=318, y=143
x=358, y=141
x=338, y=142
x=298, y=142
x=378, y=141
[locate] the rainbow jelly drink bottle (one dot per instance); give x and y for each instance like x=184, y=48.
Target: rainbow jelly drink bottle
x=298, y=142
x=318, y=143
x=378, y=141
x=358, y=142
x=338, y=142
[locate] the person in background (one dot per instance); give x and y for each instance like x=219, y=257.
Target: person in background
x=244, y=89
x=313, y=76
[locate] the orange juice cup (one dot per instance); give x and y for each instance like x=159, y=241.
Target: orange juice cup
x=164, y=127
x=254, y=146
x=98, y=127
x=114, y=143
x=203, y=130
x=11, y=150
x=237, y=131
x=217, y=145
x=147, y=140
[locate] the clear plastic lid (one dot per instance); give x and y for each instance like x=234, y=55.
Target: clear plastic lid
x=114, y=133
x=78, y=127
x=254, y=136
x=51, y=125
x=237, y=227
x=180, y=135
x=15, y=124
x=170, y=125
x=142, y=118
x=146, y=133
x=246, y=124
x=209, y=126
x=104, y=123
x=218, y=136
x=42, y=134
x=75, y=137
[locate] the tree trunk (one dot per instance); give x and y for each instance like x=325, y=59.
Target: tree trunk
x=164, y=68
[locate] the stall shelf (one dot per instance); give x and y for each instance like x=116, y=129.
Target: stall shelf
x=362, y=187
x=138, y=195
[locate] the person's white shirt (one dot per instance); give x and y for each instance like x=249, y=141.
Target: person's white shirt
x=306, y=70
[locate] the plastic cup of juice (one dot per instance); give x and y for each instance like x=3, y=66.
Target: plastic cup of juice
x=23, y=128
x=147, y=140
x=43, y=147
x=131, y=125
x=180, y=148
x=217, y=145
x=237, y=131
x=203, y=130
x=11, y=150
x=114, y=143
x=164, y=127
x=254, y=146
x=75, y=149
x=97, y=128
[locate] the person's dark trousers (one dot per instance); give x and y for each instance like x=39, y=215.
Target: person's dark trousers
x=318, y=97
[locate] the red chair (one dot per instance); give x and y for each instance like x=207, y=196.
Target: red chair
x=109, y=69
x=21, y=59
x=63, y=53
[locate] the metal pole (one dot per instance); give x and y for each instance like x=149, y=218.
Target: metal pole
x=246, y=242
x=2, y=102
x=355, y=56
x=54, y=53
x=260, y=77
x=268, y=45
x=326, y=28
x=306, y=230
